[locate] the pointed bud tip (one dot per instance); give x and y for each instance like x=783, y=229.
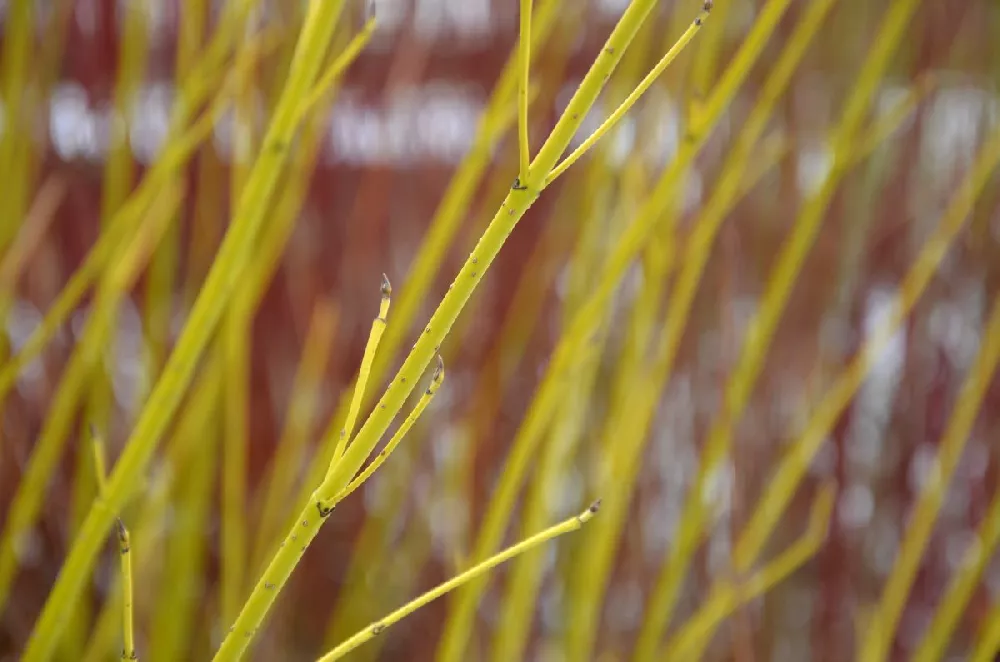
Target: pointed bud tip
x=594, y=507
x=439, y=370
x=121, y=527
x=386, y=287
x=708, y=5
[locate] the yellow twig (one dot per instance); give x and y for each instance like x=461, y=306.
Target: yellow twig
x=124, y=551
x=519, y=199
x=128, y=634
x=584, y=322
x=640, y=89
x=421, y=405
x=356, y=605
x=373, y=630
x=374, y=337
x=524, y=53
x=450, y=213
x=337, y=68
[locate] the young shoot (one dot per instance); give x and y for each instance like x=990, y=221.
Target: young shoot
x=374, y=337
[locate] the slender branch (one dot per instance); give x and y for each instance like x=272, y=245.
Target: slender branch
x=374, y=338
x=422, y=404
x=524, y=48
x=376, y=628
x=626, y=105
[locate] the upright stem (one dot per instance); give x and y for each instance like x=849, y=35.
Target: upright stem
x=524, y=47
x=128, y=634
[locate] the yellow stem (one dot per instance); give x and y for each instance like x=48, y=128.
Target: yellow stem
x=374, y=337
x=337, y=68
x=524, y=51
x=128, y=634
x=236, y=349
x=640, y=89
x=421, y=405
x=373, y=630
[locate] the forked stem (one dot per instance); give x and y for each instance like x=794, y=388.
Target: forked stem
x=422, y=404
x=644, y=85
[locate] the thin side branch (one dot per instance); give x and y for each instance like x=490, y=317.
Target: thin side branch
x=376, y=628
x=374, y=338
x=626, y=105
x=422, y=404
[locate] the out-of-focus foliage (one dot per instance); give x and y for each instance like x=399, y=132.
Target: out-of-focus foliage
x=759, y=319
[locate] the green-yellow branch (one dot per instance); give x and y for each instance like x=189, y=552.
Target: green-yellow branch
x=524, y=51
x=373, y=630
